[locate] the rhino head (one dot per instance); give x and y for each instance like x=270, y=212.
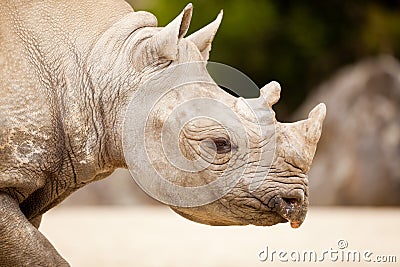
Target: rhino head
x=214, y=158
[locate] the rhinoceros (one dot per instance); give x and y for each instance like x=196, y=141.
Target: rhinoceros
x=68, y=72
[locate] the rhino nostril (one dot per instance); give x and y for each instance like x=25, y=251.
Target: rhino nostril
x=290, y=201
x=293, y=196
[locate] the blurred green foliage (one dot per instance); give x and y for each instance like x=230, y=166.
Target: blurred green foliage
x=299, y=43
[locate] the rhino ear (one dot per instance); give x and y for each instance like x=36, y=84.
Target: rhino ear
x=166, y=41
x=204, y=37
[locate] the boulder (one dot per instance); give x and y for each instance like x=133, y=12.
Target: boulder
x=358, y=157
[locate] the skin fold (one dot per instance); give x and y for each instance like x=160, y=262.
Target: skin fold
x=68, y=70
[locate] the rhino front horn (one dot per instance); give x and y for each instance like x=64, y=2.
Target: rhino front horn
x=315, y=119
x=271, y=93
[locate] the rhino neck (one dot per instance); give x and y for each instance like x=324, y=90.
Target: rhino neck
x=61, y=45
x=92, y=101
x=56, y=39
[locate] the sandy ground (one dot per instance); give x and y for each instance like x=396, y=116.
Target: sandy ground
x=141, y=236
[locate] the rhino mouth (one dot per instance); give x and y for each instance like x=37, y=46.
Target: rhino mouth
x=292, y=210
x=278, y=210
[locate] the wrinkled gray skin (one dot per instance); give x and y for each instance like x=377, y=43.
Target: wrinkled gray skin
x=67, y=72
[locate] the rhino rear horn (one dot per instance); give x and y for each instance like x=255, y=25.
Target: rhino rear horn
x=166, y=41
x=204, y=37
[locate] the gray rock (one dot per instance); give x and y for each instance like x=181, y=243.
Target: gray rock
x=358, y=159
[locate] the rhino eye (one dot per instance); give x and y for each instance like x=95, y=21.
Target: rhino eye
x=222, y=145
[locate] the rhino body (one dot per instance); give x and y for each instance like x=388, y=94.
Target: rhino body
x=68, y=70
